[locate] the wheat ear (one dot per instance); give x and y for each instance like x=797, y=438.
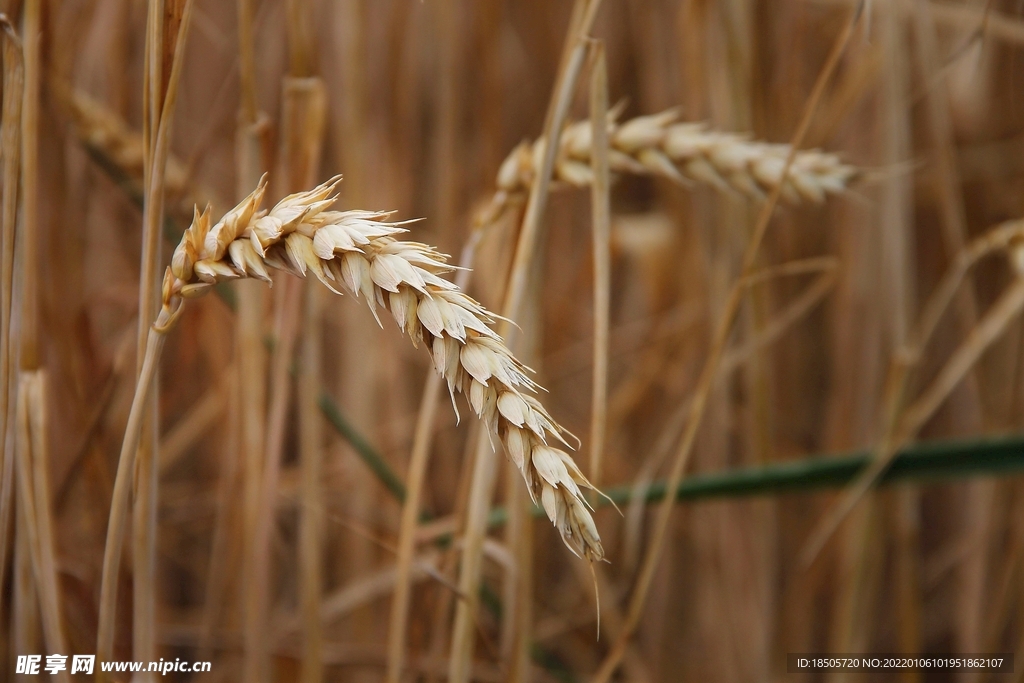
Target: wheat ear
x=685, y=152
x=357, y=251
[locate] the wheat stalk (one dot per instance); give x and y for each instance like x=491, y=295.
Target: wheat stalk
x=357, y=251
x=685, y=152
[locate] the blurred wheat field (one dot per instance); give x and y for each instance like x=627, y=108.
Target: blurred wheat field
x=304, y=502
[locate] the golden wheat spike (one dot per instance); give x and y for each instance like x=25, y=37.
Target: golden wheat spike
x=357, y=251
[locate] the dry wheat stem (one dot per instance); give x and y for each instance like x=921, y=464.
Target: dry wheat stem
x=247, y=64
x=24, y=603
x=29, y=232
x=252, y=390
x=122, y=488
x=601, y=219
x=222, y=551
x=304, y=116
x=684, y=152
x=34, y=503
x=160, y=92
x=252, y=357
x=311, y=524
x=257, y=662
x=10, y=134
x=418, y=461
x=356, y=251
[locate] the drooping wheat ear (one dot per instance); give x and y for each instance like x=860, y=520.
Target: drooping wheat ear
x=357, y=251
x=685, y=152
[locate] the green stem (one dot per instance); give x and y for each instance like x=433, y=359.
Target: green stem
x=992, y=456
x=362, y=447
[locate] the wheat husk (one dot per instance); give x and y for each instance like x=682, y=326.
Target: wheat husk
x=357, y=252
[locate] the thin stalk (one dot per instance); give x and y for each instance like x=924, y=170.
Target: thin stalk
x=48, y=582
x=311, y=473
x=305, y=117
x=447, y=139
x=10, y=150
x=158, y=108
x=558, y=109
x=484, y=467
x=146, y=476
x=512, y=587
x=247, y=74
x=482, y=483
x=119, y=502
x=25, y=603
x=407, y=529
x=517, y=595
x=600, y=196
x=221, y=548
x=252, y=363
x=34, y=501
x=31, y=454
x=256, y=644
x=29, y=323
x=521, y=600
x=300, y=42
x=600, y=203
x=252, y=298
x=706, y=380
x=304, y=111
x=953, y=215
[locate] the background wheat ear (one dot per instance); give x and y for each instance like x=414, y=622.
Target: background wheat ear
x=683, y=152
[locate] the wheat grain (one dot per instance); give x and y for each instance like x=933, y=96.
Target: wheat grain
x=357, y=251
x=684, y=152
